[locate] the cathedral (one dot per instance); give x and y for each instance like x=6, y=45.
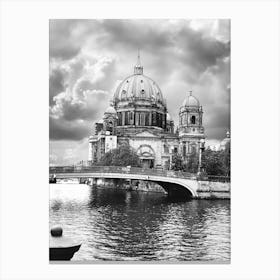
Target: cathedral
x=138, y=116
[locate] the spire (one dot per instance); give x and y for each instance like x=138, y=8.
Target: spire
x=138, y=68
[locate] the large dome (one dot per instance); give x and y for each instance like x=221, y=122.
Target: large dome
x=138, y=86
x=139, y=103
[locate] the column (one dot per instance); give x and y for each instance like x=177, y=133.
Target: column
x=123, y=117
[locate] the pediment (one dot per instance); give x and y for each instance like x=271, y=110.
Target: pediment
x=146, y=134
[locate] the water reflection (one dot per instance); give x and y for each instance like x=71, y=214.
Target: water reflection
x=122, y=225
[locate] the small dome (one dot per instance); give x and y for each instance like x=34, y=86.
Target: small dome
x=191, y=101
x=110, y=110
x=168, y=117
x=228, y=134
x=225, y=141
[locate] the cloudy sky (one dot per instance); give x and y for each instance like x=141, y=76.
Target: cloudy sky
x=88, y=58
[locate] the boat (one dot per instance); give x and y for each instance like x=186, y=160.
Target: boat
x=52, y=179
x=61, y=248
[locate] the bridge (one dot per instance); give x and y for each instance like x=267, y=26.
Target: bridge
x=175, y=183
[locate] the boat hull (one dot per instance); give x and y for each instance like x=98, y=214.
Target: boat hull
x=63, y=253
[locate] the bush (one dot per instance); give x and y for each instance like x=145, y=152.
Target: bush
x=121, y=156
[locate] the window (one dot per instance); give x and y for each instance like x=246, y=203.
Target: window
x=184, y=150
x=131, y=118
x=123, y=94
x=193, y=149
x=192, y=119
x=142, y=119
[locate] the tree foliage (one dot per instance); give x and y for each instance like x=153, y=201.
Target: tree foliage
x=213, y=162
x=192, y=163
x=121, y=156
x=217, y=162
x=177, y=163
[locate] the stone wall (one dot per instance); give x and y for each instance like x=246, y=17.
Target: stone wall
x=132, y=185
x=208, y=190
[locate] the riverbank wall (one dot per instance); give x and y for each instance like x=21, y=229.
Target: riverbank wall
x=130, y=185
x=213, y=190
x=205, y=190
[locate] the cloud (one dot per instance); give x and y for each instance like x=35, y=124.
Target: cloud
x=62, y=45
x=65, y=130
x=56, y=84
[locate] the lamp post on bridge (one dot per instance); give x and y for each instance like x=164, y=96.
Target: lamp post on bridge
x=201, y=149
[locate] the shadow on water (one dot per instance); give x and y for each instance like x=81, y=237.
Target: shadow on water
x=111, y=196
x=119, y=197
x=117, y=224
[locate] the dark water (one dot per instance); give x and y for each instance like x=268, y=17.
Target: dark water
x=121, y=225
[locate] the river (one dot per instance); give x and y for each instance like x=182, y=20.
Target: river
x=119, y=225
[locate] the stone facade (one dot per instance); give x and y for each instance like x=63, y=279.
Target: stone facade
x=138, y=116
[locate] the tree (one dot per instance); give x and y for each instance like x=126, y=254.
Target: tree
x=177, y=163
x=121, y=156
x=192, y=163
x=216, y=162
x=226, y=159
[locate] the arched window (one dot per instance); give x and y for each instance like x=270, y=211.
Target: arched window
x=192, y=119
x=193, y=149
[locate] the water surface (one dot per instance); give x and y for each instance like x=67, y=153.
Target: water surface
x=118, y=225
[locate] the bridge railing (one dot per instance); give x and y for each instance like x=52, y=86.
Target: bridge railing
x=215, y=178
x=120, y=169
x=134, y=170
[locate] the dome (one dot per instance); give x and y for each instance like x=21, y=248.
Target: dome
x=110, y=110
x=225, y=141
x=190, y=100
x=138, y=86
x=168, y=117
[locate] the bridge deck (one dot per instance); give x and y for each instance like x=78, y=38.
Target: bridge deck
x=133, y=171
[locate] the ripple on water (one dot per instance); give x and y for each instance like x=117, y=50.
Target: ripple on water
x=119, y=225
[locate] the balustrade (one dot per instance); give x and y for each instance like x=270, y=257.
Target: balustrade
x=133, y=170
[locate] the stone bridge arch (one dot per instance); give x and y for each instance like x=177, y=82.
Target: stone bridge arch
x=177, y=187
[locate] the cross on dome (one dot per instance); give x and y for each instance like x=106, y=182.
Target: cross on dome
x=138, y=68
x=138, y=58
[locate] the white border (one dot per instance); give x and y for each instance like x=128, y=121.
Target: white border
x=24, y=138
